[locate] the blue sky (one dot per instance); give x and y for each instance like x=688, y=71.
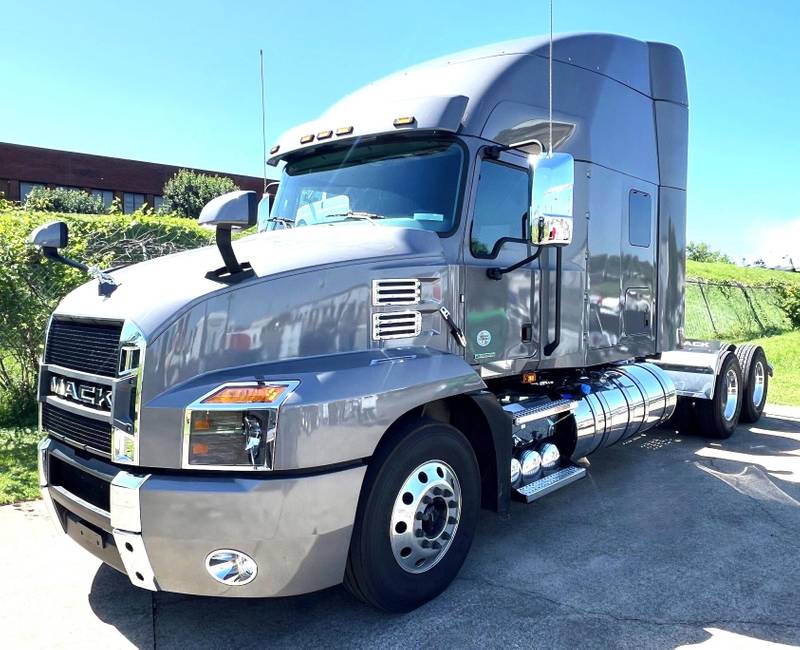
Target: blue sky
x=177, y=82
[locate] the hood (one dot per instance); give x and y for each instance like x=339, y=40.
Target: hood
x=152, y=293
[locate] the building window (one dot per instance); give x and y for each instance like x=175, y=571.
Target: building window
x=106, y=195
x=501, y=202
x=132, y=202
x=640, y=217
x=158, y=201
x=25, y=189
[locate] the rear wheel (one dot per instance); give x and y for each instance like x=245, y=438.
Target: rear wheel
x=719, y=416
x=416, y=518
x=755, y=374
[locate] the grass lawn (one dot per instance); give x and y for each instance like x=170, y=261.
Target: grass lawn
x=783, y=352
x=18, y=480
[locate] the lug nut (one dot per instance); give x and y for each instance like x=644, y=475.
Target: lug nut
x=425, y=543
x=418, y=533
x=436, y=546
x=437, y=491
x=445, y=536
x=418, y=516
x=452, y=520
x=426, y=499
x=447, y=493
x=451, y=504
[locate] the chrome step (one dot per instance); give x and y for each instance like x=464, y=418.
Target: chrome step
x=548, y=484
x=539, y=411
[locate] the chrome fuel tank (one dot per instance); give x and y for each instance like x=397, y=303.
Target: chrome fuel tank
x=624, y=400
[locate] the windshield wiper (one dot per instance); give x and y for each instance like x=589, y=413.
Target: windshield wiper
x=356, y=214
x=285, y=221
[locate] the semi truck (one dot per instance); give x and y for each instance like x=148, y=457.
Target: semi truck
x=460, y=291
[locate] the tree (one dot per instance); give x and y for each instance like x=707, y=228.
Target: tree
x=187, y=192
x=702, y=252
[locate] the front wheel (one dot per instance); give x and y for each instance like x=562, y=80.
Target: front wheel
x=416, y=518
x=720, y=415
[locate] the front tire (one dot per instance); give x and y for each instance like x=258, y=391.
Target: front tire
x=416, y=518
x=719, y=416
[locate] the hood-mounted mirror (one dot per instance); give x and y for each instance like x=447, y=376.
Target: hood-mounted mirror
x=53, y=236
x=234, y=210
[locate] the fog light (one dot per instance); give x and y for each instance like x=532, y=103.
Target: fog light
x=231, y=567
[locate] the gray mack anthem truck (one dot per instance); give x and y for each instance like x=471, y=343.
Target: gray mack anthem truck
x=452, y=301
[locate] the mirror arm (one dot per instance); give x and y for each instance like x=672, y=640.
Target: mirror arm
x=498, y=273
x=551, y=347
x=53, y=254
x=226, y=250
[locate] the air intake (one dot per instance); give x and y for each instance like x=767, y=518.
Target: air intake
x=396, y=325
x=395, y=292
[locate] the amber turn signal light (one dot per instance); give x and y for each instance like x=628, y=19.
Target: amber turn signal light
x=260, y=394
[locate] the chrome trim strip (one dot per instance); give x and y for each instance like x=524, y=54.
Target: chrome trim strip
x=79, y=409
x=125, y=509
x=134, y=557
x=124, y=441
x=197, y=405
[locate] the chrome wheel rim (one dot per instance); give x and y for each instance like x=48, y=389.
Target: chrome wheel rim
x=758, y=384
x=732, y=395
x=425, y=516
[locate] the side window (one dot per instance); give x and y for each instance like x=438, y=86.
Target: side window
x=640, y=217
x=502, y=199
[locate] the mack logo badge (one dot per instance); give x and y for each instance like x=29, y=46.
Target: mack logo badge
x=76, y=391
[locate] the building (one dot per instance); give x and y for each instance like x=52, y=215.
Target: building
x=133, y=182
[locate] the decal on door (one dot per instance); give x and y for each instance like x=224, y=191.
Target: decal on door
x=483, y=338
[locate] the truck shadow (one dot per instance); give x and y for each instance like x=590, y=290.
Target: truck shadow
x=672, y=540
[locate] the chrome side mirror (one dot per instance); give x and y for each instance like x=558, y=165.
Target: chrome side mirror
x=232, y=210
x=551, y=203
x=53, y=235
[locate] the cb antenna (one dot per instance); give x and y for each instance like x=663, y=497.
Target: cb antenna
x=549, y=87
x=263, y=120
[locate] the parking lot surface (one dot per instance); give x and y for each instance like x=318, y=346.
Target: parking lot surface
x=670, y=541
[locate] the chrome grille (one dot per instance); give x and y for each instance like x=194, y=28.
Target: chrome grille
x=396, y=325
x=78, y=429
x=88, y=346
x=396, y=292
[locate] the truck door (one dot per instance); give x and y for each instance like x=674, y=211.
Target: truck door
x=638, y=271
x=498, y=321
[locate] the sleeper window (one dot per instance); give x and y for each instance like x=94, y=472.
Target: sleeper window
x=501, y=201
x=640, y=217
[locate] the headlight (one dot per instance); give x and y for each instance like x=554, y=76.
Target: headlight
x=234, y=426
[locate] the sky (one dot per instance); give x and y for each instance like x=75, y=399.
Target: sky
x=178, y=82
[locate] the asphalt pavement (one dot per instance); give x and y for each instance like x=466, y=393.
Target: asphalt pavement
x=671, y=541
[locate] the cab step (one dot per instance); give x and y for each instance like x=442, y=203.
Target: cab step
x=548, y=484
x=520, y=415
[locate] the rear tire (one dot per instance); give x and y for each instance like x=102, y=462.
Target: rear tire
x=719, y=416
x=394, y=563
x=755, y=374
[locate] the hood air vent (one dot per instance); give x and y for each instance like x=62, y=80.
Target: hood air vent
x=395, y=292
x=396, y=325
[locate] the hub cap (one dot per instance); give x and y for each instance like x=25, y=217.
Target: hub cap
x=758, y=384
x=732, y=395
x=425, y=516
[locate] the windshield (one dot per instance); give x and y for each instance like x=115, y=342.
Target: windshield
x=408, y=183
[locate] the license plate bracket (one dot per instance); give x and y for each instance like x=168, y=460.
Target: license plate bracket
x=84, y=535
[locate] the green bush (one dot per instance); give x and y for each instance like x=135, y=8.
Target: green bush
x=789, y=300
x=702, y=252
x=187, y=192
x=59, y=199
x=31, y=286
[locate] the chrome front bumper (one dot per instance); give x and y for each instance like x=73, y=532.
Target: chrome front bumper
x=160, y=528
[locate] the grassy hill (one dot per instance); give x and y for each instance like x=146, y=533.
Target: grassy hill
x=720, y=272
